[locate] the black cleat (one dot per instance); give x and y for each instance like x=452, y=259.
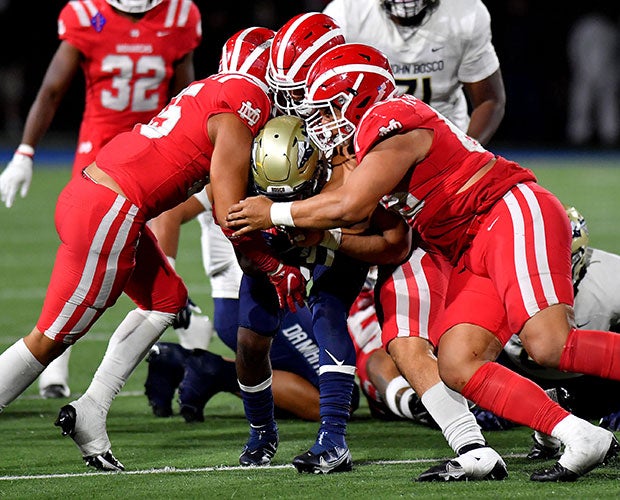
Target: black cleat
x=191, y=414
x=540, y=451
x=559, y=473
x=261, y=446
x=66, y=420
x=336, y=459
x=105, y=462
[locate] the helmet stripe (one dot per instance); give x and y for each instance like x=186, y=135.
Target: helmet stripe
x=312, y=50
x=346, y=68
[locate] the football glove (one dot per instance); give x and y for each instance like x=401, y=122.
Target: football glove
x=290, y=286
x=183, y=317
x=16, y=177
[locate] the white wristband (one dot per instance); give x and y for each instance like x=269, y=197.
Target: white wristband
x=332, y=239
x=280, y=214
x=172, y=261
x=25, y=149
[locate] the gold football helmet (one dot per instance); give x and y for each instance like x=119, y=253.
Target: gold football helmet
x=286, y=164
x=581, y=239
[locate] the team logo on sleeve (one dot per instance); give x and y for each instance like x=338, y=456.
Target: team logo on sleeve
x=249, y=113
x=391, y=127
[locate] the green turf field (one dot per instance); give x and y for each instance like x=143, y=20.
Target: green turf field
x=166, y=458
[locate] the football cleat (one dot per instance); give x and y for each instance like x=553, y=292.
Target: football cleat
x=105, y=462
x=336, y=459
x=67, y=418
x=544, y=450
x=478, y=464
x=55, y=391
x=590, y=459
x=261, y=446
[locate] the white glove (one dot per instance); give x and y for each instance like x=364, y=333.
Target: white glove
x=17, y=175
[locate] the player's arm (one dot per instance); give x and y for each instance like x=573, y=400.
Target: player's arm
x=488, y=100
x=167, y=226
x=377, y=174
x=184, y=74
x=230, y=170
x=60, y=72
x=389, y=242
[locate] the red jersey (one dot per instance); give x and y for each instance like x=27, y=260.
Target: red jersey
x=427, y=196
x=127, y=63
x=160, y=164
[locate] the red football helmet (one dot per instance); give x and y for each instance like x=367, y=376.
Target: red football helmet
x=294, y=48
x=247, y=51
x=342, y=85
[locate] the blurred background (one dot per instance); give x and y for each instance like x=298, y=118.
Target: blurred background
x=544, y=48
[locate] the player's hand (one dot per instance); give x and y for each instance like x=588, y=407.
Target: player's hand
x=290, y=286
x=16, y=177
x=249, y=215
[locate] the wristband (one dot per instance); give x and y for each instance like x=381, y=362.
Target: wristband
x=280, y=214
x=172, y=261
x=332, y=239
x=26, y=150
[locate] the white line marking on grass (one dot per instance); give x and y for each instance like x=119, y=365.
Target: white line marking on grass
x=222, y=468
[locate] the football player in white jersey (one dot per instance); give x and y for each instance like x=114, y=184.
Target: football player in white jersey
x=439, y=50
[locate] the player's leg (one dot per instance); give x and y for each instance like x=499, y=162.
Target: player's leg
x=526, y=253
x=160, y=294
x=54, y=380
x=259, y=321
x=75, y=296
x=412, y=302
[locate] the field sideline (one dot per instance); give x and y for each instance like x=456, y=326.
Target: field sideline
x=166, y=458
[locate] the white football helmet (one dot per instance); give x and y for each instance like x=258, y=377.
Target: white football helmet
x=134, y=6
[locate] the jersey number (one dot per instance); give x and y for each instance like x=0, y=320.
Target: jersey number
x=165, y=121
x=145, y=76
x=409, y=86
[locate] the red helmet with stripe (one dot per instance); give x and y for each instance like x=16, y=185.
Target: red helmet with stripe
x=247, y=52
x=294, y=48
x=342, y=85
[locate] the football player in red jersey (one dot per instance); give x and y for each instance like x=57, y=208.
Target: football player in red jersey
x=506, y=236
x=135, y=55
x=205, y=132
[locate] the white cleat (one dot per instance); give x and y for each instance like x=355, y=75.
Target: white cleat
x=479, y=464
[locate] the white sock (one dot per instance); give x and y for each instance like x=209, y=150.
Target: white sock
x=18, y=369
x=57, y=372
x=451, y=412
x=394, y=398
x=128, y=345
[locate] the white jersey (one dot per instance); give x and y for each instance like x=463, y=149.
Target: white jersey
x=218, y=255
x=453, y=45
x=597, y=307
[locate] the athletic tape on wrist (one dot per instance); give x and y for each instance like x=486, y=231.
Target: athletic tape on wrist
x=332, y=239
x=25, y=149
x=280, y=214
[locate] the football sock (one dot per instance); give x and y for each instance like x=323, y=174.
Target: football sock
x=511, y=396
x=258, y=403
x=593, y=353
x=127, y=347
x=18, y=369
x=335, y=408
x=57, y=372
x=451, y=412
x=398, y=395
